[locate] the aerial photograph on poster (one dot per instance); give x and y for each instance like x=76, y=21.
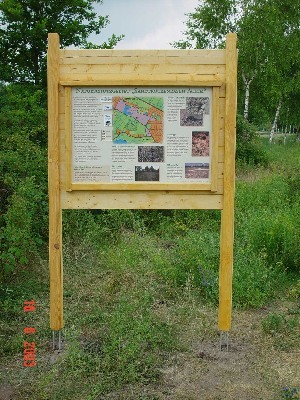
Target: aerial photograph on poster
x=137, y=120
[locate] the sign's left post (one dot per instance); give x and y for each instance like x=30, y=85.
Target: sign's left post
x=55, y=213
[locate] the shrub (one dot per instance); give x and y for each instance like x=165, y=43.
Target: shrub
x=23, y=171
x=249, y=149
x=25, y=225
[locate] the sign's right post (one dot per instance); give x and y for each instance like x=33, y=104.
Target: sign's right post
x=227, y=216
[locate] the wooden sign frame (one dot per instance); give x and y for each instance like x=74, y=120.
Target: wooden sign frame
x=216, y=69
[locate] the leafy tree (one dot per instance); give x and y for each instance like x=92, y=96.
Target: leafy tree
x=279, y=76
x=208, y=25
x=24, y=28
x=268, y=42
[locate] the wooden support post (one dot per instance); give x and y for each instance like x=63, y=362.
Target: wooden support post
x=55, y=215
x=227, y=219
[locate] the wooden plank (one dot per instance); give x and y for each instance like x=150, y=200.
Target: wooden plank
x=227, y=219
x=215, y=140
x=55, y=217
x=142, y=80
x=220, y=187
x=221, y=154
x=142, y=57
x=61, y=100
x=140, y=200
x=141, y=186
x=142, y=53
x=210, y=69
x=61, y=122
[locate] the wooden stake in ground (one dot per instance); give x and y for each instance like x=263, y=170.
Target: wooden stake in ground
x=227, y=219
x=55, y=214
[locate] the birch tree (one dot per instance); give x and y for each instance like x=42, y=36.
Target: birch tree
x=268, y=43
x=208, y=25
x=278, y=27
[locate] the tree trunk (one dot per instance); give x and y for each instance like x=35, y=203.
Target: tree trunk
x=247, y=94
x=247, y=82
x=275, y=121
x=285, y=134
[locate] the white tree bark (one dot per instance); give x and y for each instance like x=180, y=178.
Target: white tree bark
x=285, y=134
x=247, y=82
x=275, y=121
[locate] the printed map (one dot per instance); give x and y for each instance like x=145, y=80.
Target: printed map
x=137, y=120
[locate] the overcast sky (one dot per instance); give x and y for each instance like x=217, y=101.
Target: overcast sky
x=146, y=24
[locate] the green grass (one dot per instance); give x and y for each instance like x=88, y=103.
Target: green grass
x=137, y=283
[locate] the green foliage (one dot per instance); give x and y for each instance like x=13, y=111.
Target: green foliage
x=23, y=175
x=114, y=330
x=268, y=43
x=24, y=31
x=268, y=219
x=290, y=393
x=23, y=111
x=195, y=261
x=25, y=223
x=132, y=341
x=283, y=328
x=249, y=148
x=123, y=349
x=273, y=323
x=255, y=282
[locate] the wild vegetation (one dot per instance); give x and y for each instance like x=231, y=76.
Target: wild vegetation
x=136, y=282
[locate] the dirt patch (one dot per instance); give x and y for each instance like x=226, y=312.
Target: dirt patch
x=6, y=392
x=208, y=373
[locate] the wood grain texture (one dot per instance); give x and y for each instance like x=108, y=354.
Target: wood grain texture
x=142, y=186
x=154, y=69
x=140, y=200
x=227, y=219
x=142, y=80
x=55, y=216
x=94, y=57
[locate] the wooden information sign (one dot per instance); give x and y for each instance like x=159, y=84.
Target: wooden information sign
x=141, y=129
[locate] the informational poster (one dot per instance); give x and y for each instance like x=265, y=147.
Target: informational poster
x=144, y=134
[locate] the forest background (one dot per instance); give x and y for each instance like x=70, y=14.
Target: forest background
x=140, y=249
